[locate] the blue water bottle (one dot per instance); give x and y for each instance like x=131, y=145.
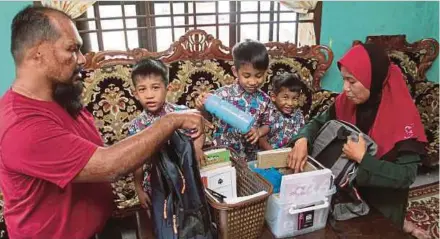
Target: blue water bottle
x=229, y=113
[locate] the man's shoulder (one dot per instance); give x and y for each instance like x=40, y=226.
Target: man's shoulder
x=14, y=110
x=18, y=115
x=8, y=114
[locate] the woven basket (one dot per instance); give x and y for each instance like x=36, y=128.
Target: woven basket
x=243, y=220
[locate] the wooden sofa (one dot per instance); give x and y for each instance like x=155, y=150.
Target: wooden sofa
x=198, y=63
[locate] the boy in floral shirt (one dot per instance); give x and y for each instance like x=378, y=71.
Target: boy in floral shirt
x=251, y=62
x=150, y=80
x=285, y=118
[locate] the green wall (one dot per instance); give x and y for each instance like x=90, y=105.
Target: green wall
x=343, y=22
x=7, y=69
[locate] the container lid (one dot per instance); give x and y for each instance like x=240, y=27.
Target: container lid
x=305, y=187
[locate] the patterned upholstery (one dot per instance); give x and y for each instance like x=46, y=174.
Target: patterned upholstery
x=414, y=59
x=321, y=101
x=109, y=98
x=427, y=101
x=197, y=63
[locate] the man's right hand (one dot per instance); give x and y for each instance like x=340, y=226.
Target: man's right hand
x=297, y=157
x=189, y=120
x=200, y=101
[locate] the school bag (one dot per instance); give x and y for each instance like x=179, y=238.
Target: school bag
x=327, y=149
x=179, y=205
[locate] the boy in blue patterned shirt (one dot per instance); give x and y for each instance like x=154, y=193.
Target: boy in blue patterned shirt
x=285, y=118
x=251, y=61
x=150, y=80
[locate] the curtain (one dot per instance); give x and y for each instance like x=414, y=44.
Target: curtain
x=306, y=31
x=73, y=8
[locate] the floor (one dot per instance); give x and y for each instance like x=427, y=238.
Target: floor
x=426, y=176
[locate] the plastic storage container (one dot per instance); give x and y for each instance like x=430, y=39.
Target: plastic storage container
x=229, y=113
x=302, y=206
x=288, y=220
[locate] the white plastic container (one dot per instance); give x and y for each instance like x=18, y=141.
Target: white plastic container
x=288, y=220
x=302, y=206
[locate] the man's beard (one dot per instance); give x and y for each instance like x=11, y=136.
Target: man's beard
x=68, y=95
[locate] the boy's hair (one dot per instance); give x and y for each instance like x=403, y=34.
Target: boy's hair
x=291, y=81
x=250, y=52
x=148, y=66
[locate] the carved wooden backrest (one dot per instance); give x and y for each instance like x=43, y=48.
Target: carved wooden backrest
x=197, y=63
x=413, y=58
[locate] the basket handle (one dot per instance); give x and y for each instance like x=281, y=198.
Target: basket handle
x=292, y=210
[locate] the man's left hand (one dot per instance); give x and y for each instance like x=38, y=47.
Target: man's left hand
x=355, y=150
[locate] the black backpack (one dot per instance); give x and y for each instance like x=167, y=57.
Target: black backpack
x=179, y=205
x=327, y=149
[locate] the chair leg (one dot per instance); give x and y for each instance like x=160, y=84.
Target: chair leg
x=139, y=226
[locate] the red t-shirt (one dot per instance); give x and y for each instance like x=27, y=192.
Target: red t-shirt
x=42, y=149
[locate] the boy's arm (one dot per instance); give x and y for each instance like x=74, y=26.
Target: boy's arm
x=263, y=143
x=138, y=173
x=263, y=130
x=138, y=179
x=144, y=198
x=265, y=121
x=255, y=134
x=200, y=102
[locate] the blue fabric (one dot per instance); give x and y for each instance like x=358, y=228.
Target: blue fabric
x=272, y=175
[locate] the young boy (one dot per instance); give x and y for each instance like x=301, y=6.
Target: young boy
x=150, y=80
x=251, y=62
x=285, y=118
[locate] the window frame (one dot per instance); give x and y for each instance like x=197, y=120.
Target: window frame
x=146, y=26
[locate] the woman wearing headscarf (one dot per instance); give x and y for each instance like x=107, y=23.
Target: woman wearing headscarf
x=377, y=101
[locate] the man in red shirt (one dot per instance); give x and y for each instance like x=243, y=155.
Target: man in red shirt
x=54, y=170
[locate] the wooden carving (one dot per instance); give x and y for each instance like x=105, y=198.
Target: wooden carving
x=197, y=45
x=95, y=60
x=399, y=43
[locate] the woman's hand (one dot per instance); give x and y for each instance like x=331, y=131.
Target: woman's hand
x=297, y=157
x=355, y=150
